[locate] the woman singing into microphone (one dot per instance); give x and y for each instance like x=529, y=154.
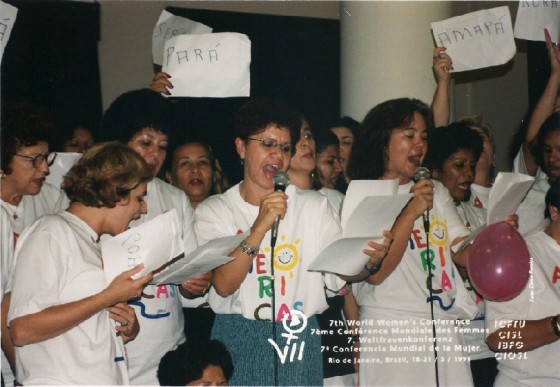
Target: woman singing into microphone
x=242, y=290
x=395, y=303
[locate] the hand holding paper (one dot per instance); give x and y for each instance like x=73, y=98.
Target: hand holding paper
x=478, y=39
x=365, y=218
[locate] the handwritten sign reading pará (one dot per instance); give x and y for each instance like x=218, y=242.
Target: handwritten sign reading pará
x=7, y=19
x=534, y=16
x=208, y=65
x=478, y=39
x=168, y=26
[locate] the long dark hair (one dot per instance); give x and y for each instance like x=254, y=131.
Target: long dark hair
x=369, y=153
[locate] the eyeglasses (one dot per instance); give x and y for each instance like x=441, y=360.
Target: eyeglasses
x=270, y=143
x=37, y=161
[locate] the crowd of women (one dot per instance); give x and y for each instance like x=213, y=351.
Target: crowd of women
x=409, y=317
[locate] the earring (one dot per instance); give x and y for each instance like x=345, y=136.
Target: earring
x=2, y=174
x=241, y=161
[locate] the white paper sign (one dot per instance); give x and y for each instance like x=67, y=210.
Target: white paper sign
x=365, y=216
x=534, y=16
x=168, y=26
x=506, y=195
x=209, y=65
x=152, y=243
x=62, y=164
x=478, y=39
x=202, y=260
x=7, y=19
x=359, y=189
x=344, y=256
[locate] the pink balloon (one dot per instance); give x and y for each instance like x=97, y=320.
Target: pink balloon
x=499, y=262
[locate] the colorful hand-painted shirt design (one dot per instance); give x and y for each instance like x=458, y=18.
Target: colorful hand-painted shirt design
x=307, y=228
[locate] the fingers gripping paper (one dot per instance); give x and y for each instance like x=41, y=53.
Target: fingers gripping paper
x=478, y=39
x=152, y=243
x=209, y=65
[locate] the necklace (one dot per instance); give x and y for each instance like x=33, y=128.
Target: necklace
x=11, y=210
x=463, y=215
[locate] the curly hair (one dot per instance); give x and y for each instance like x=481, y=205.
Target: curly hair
x=23, y=124
x=133, y=111
x=445, y=141
x=551, y=124
x=105, y=174
x=187, y=363
x=257, y=114
x=369, y=153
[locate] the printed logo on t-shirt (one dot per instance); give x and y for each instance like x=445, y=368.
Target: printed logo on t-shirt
x=286, y=260
x=435, y=252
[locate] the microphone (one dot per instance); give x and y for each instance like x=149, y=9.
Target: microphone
x=281, y=181
x=419, y=174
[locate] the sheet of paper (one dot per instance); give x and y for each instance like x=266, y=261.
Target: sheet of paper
x=8, y=15
x=152, y=243
x=168, y=26
x=62, y=164
x=205, y=258
x=373, y=215
x=370, y=206
x=478, y=39
x=506, y=195
x=344, y=256
x=209, y=65
x=536, y=15
x=359, y=189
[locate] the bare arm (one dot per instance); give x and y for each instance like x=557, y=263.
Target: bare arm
x=352, y=314
x=534, y=334
x=376, y=254
x=56, y=320
x=441, y=68
x=545, y=106
x=7, y=345
x=402, y=228
x=229, y=277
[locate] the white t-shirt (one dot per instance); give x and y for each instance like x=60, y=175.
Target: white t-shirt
x=401, y=304
x=31, y=207
x=47, y=201
x=7, y=251
x=539, y=299
x=474, y=211
x=531, y=209
x=335, y=198
x=58, y=261
x=307, y=228
x=159, y=311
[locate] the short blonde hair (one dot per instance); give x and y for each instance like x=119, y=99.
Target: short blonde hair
x=105, y=174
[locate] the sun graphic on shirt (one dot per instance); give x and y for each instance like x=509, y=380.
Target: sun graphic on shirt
x=286, y=255
x=438, y=232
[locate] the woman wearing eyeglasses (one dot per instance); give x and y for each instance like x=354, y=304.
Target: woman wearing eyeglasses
x=24, y=194
x=242, y=289
x=25, y=164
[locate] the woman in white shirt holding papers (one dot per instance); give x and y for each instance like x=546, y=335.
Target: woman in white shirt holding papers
x=242, y=295
x=396, y=338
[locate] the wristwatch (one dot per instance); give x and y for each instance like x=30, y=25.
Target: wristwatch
x=555, y=325
x=250, y=251
x=373, y=270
